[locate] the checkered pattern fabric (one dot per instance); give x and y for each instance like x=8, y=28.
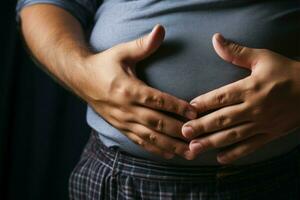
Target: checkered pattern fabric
x=108, y=174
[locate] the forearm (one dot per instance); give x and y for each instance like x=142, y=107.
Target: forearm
x=106, y=80
x=56, y=39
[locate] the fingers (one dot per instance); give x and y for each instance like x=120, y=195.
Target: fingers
x=141, y=107
x=242, y=149
x=215, y=121
x=143, y=47
x=235, y=53
x=136, y=93
x=155, y=99
x=223, y=138
x=138, y=134
x=158, y=121
x=146, y=136
x=166, y=143
x=232, y=93
x=225, y=96
x=148, y=146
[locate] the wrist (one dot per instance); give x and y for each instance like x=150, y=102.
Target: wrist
x=296, y=69
x=75, y=70
x=296, y=78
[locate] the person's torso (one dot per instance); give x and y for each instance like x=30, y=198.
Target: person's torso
x=186, y=65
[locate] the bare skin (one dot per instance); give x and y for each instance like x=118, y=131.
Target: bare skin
x=251, y=112
x=107, y=81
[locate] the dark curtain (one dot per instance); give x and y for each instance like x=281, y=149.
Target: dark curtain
x=42, y=126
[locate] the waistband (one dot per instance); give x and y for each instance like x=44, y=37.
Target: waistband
x=121, y=162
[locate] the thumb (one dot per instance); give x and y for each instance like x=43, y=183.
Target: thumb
x=143, y=47
x=234, y=53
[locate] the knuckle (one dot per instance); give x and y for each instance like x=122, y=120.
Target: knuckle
x=157, y=124
x=152, y=138
x=159, y=101
x=155, y=100
x=139, y=42
x=120, y=90
x=237, y=49
x=173, y=148
x=141, y=142
x=147, y=100
x=115, y=85
x=125, y=92
x=233, y=135
x=257, y=111
x=221, y=98
x=254, y=86
x=222, y=120
x=144, y=135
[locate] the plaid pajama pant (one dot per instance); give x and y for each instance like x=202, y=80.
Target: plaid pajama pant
x=108, y=174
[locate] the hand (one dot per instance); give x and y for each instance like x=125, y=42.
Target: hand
x=251, y=112
x=113, y=90
x=106, y=80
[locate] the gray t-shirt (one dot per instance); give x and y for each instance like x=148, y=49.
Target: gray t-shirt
x=186, y=64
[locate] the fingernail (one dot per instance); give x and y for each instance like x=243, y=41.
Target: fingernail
x=221, y=39
x=221, y=158
x=151, y=32
x=194, y=104
x=196, y=147
x=153, y=28
x=168, y=155
x=190, y=114
x=161, y=33
x=187, y=131
x=189, y=155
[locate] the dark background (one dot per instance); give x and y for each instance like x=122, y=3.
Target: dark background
x=42, y=126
